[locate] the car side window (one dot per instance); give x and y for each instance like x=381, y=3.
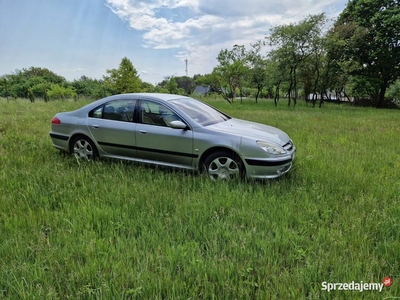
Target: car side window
x=97, y=112
x=152, y=113
x=119, y=110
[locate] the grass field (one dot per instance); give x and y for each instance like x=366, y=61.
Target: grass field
x=112, y=230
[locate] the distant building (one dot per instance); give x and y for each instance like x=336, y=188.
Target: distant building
x=202, y=90
x=330, y=96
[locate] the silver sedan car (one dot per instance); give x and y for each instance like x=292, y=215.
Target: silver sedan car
x=173, y=131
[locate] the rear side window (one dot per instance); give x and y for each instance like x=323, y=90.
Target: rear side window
x=118, y=110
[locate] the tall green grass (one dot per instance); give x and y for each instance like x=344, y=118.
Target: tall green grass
x=115, y=230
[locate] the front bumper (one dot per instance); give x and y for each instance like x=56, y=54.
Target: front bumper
x=269, y=168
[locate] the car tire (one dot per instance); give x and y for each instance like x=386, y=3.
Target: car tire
x=224, y=165
x=83, y=148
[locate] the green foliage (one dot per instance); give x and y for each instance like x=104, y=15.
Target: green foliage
x=297, y=45
x=124, y=79
x=257, y=75
x=147, y=87
x=31, y=96
x=208, y=80
x=393, y=91
x=30, y=83
x=4, y=87
x=172, y=86
x=358, y=59
x=231, y=70
x=159, y=89
x=369, y=41
x=176, y=85
x=90, y=88
x=185, y=84
x=110, y=230
x=39, y=90
x=43, y=73
x=57, y=92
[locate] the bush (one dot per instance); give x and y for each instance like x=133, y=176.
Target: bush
x=57, y=92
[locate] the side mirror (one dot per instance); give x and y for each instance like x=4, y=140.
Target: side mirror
x=178, y=125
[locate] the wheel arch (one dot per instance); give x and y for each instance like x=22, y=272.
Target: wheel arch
x=76, y=135
x=209, y=151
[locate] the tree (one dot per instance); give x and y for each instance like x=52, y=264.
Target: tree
x=336, y=74
x=20, y=82
x=147, y=87
x=368, y=31
x=393, y=91
x=171, y=85
x=124, y=79
x=57, y=92
x=257, y=72
x=43, y=73
x=294, y=44
x=213, y=82
x=39, y=90
x=4, y=87
x=313, y=67
x=88, y=87
x=232, y=69
x=186, y=84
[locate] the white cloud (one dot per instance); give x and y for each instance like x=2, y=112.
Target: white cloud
x=212, y=25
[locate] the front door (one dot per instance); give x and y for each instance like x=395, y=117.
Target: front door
x=156, y=141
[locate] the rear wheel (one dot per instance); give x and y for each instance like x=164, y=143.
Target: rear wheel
x=83, y=148
x=223, y=166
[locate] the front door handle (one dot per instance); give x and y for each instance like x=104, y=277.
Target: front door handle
x=95, y=126
x=143, y=131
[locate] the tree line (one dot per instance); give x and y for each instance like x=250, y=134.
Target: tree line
x=40, y=83
x=356, y=59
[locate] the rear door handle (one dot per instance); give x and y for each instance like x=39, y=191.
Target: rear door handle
x=95, y=126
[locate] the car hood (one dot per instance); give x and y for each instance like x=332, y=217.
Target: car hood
x=253, y=130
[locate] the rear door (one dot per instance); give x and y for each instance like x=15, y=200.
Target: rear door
x=157, y=141
x=112, y=127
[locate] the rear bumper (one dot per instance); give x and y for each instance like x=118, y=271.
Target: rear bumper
x=60, y=141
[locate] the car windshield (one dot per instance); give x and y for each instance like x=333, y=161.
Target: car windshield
x=201, y=113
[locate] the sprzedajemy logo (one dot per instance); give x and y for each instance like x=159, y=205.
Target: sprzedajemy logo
x=356, y=286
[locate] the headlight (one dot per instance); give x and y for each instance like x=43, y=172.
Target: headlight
x=271, y=148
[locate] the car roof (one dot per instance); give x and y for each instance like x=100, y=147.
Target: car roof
x=143, y=96
x=159, y=96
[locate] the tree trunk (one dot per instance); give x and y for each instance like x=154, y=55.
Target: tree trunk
x=226, y=97
x=6, y=88
x=295, y=87
x=258, y=93
x=290, y=86
x=321, y=101
x=381, y=100
x=276, y=99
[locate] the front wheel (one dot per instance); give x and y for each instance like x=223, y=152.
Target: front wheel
x=83, y=148
x=223, y=166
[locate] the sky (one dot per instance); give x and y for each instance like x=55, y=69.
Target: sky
x=86, y=37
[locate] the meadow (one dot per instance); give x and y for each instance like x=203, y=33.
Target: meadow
x=115, y=230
